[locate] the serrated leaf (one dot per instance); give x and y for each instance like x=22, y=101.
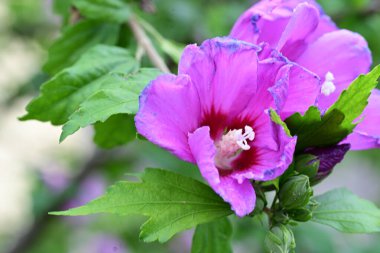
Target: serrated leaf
x=76, y=40
x=213, y=237
x=62, y=95
x=346, y=212
x=314, y=130
x=116, y=11
x=119, y=95
x=353, y=101
x=117, y=130
x=173, y=202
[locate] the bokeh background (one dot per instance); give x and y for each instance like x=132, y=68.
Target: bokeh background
x=38, y=175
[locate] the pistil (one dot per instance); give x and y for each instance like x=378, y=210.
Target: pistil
x=231, y=144
x=328, y=87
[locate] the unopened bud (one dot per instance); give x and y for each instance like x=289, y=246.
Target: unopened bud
x=295, y=193
x=301, y=215
x=328, y=159
x=307, y=165
x=280, y=239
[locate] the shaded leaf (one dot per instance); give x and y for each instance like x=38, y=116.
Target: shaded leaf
x=106, y=10
x=213, y=237
x=312, y=130
x=76, y=40
x=117, y=130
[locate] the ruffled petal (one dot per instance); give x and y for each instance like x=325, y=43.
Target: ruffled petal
x=169, y=110
x=367, y=134
x=343, y=53
x=295, y=90
x=302, y=23
x=241, y=196
x=263, y=162
x=270, y=21
x=224, y=71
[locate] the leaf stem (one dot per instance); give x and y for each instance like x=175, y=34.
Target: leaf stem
x=147, y=45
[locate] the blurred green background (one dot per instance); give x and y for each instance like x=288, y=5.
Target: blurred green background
x=38, y=175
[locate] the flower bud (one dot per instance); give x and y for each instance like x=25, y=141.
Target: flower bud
x=307, y=164
x=280, y=217
x=301, y=215
x=295, y=193
x=280, y=239
x=328, y=158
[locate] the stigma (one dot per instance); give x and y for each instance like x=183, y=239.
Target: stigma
x=328, y=87
x=231, y=144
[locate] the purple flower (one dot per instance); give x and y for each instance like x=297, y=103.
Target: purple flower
x=300, y=31
x=215, y=113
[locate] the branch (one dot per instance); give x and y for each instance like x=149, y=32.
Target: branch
x=145, y=43
x=98, y=159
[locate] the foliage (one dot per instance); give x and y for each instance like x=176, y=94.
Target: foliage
x=346, y=212
x=316, y=130
x=214, y=237
x=97, y=70
x=173, y=203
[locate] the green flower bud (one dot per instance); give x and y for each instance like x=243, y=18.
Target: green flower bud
x=280, y=217
x=301, y=215
x=307, y=165
x=295, y=193
x=280, y=239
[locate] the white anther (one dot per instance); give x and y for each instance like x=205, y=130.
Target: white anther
x=328, y=87
x=241, y=139
x=230, y=145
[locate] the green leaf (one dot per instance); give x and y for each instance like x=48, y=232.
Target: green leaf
x=117, y=130
x=214, y=237
x=314, y=130
x=354, y=100
x=276, y=119
x=116, y=11
x=346, y=212
x=76, y=40
x=118, y=94
x=62, y=95
x=173, y=202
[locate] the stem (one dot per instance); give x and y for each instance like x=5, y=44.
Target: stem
x=274, y=201
x=147, y=45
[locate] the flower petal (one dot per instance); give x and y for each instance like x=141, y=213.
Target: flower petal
x=267, y=20
x=241, y=196
x=302, y=23
x=367, y=134
x=343, y=53
x=169, y=110
x=295, y=90
x=224, y=71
